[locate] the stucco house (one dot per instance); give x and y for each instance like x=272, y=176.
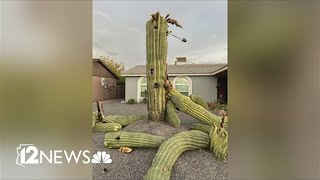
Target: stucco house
x=206, y=80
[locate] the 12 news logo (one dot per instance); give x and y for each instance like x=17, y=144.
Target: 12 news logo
x=28, y=154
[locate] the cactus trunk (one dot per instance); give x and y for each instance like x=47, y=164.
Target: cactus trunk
x=170, y=151
x=131, y=139
x=156, y=46
x=186, y=105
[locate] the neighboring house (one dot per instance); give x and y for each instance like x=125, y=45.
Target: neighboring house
x=104, y=81
x=206, y=80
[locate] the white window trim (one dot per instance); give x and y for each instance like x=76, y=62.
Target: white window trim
x=189, y=80
x=139, y=98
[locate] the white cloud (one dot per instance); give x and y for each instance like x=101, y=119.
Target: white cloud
x=106, y=16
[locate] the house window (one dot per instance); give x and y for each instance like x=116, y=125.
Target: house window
x=143, y=87
x=183, y=85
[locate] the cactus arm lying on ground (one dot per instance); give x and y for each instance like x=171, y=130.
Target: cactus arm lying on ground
x=193, y=109
x=201, y=127
x=107, y=127
x=131, y=139
x=172, y=116
x=199, y=100
x=123, y=120
x=170, y=151
x=219, y=142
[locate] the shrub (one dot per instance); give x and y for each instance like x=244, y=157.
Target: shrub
x=131, y=101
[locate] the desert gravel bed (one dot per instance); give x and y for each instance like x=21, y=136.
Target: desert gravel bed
x=191, y=165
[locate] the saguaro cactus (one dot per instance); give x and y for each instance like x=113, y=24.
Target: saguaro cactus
x=170, y=151
x=107, y=127
x=156, y=45
x=172, y=116
x=199, y=100
x=131, y=139
x=186, y=105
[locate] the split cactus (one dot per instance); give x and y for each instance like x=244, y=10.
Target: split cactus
x=107, y=127
x=199, y=100
x=123, y=120
x=193, y=109
x=219, y=142
x=170, y=151
x=131, y=139
x=156, y=47
x=201, y=127
x=172, y=116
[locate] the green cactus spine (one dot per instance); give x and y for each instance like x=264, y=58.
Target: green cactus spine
x=199, y=100
x=131, y=139
x=194, y=109
x=219, y=142
x=201, y=127
x=107, y=127
x=123, y=120
x=172, y=117
x=156, y=47
x=170, y=151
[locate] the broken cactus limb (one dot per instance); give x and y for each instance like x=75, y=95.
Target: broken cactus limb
x=201, y=127
x=219, y=142
x=156, y=48
x=170, y=151
x=199, y=100
x=123, y=120
x=193, y=109
x=107, y=127
x=100, y=111
x=172, y=116
x=93, y=121
x=131, y=139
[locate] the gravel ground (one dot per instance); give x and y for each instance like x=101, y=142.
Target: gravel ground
x=191, y=165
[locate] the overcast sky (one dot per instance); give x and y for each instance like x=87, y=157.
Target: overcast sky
x=119, y=30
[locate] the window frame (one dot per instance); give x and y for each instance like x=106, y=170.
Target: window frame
x=189, y=83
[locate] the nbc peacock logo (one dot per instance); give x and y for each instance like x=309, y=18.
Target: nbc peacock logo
x=101, y=157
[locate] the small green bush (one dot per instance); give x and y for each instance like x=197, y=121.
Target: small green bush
x=131, y=101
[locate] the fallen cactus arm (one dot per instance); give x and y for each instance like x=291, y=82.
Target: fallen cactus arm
x=170, y=151
x=123, y=120
x=172, y=117
x=199, y=100
x=107, y=127
x=201, y=127
x=131, y=139
x=193, y=109
x=219, y=142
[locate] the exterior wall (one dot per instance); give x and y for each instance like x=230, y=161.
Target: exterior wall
x=131, y=88
x=205, y=86
x=100, y=93
x=100, y=71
